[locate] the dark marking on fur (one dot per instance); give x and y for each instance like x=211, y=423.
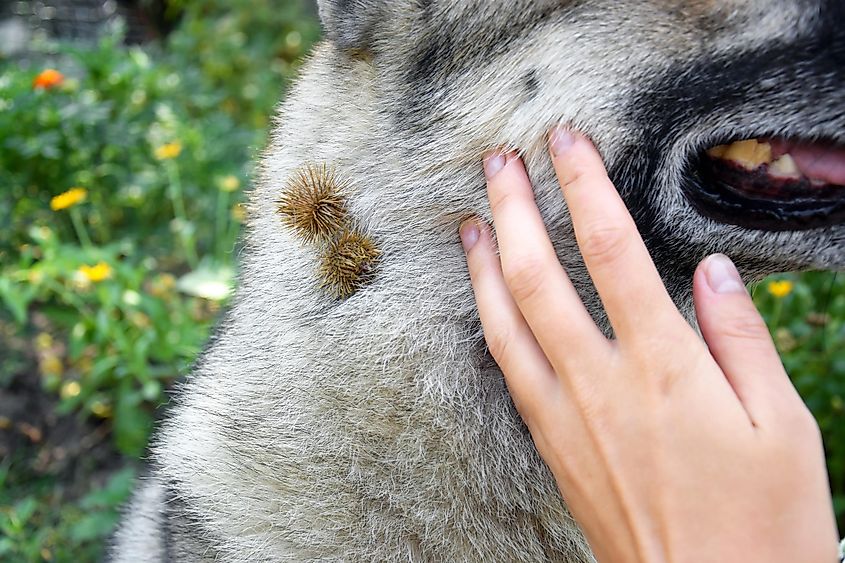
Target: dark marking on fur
x=181, y=529
x=435, y=55
x=443, y=50
x=426, y=7
x=804, y=74
x=633, y=174
x=443, y=53
x=531, y=82
x=164, y=526
x=352, y=24
x=808, y=77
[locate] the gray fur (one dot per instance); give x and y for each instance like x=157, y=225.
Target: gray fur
x=378, y=428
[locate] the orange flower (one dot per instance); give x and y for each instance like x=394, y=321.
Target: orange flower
x=49, y=78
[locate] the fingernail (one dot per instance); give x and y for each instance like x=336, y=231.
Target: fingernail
x=561, y=140
x=469, y=234
x=493, y=163
x=722, y=275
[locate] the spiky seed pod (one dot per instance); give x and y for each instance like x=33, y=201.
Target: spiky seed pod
x=348, y=263
x=314, y=203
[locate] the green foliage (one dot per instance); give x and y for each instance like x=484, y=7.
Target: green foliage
x=806, y=314
x=38, y=523
x=244, y=50
x=141, y=131
x=122, y=280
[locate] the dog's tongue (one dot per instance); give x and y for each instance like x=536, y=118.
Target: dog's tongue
x=822, y=163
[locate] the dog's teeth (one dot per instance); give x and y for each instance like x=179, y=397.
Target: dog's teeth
x=718, y=151
x=749, y=154
x=785, y=168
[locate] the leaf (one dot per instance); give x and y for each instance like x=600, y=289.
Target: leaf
x=132, y=422
x=16, y=301
x=212, y=283
x=94, y=526
x=25, y=509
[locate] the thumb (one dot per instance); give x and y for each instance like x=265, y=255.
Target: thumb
x=739, y=339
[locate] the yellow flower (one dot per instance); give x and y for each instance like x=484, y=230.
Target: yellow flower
x=68, y=199
x=781, y=289
x=51, y=365
x=44, y=341
x=101, y=409
x=239, y=212
x=96, y=273
x=70, y=390
x=229, y=183
x=168, y=151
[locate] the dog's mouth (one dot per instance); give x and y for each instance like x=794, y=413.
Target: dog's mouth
x=772, y=184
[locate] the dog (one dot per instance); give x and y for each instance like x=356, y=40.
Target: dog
x=347, y=408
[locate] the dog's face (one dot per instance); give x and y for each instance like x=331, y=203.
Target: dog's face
x=722, y=121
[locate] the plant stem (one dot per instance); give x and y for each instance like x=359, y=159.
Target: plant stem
x=776, y=314
x=176, y=198
x=79, y=227
x=234, y=230
x=220, y=227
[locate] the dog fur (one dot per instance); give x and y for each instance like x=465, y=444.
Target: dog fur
x=377, y=428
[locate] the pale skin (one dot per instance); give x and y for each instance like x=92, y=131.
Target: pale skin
x=666, y=447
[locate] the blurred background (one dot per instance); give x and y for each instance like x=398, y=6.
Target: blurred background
x=128, y=132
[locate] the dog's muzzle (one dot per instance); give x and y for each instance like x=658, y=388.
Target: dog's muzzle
x=772, y=184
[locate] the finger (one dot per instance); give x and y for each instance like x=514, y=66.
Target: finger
x=529, y=375
x=531, y=270
x=739, y=339
x=633, y=294
x=545, y=406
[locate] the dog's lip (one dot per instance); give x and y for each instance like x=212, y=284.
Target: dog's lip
x=770, y=183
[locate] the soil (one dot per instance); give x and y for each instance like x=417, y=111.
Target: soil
x=38, y=441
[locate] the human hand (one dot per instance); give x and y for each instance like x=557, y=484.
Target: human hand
x=665, y=448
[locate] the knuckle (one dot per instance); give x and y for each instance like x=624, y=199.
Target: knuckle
x=668, y=361
x=524, y=277
x=498, y=343
x=747, y=326
x=529, y=413
x=663, y=351
x=605, y=244
x=797, y=428
x=500, y=200
x=477, y=267
x=804, y=424
x=579, y=172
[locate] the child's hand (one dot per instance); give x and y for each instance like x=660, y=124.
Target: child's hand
x=664, y=447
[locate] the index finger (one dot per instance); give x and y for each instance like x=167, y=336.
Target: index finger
x=619, y=263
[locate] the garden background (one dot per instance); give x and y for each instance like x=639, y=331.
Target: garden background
x=122, y=172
